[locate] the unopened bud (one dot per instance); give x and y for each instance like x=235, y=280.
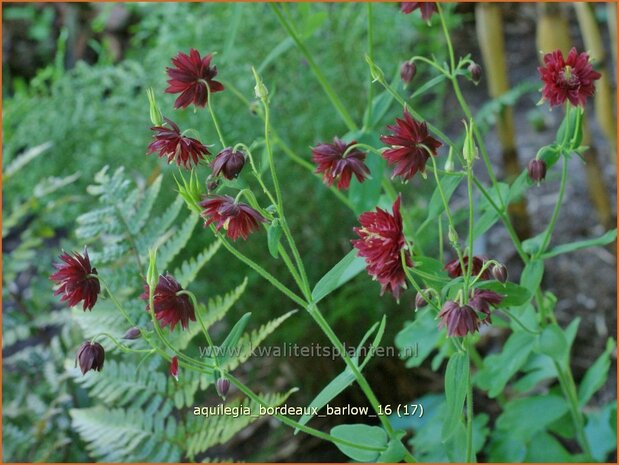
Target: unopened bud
x=222, y=386
x=155, y=113
x=452, y=235
x=260, y=89
x=376, y=73
x=499, y=271
x=469, y=150
x=408, y=71
x=449, y=164
x=420, y=301
x=475, y=71
x=132, y=333
x=537, y=170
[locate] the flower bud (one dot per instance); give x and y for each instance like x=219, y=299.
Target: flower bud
x=452, y=235
x=174, y=368
x=260, y=89
x=155, y=113
x=90, y=356
x=222, y=385
x=420, y=301
x=212, y=184
x=537, y=170
x=469, y=150
x=499, y=271
x=376, y=73
x=408, y=71
x=132, y=333
x=450, y=166
x=475, y=71
x=229, y=163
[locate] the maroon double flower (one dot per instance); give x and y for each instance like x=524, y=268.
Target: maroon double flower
x=170, y=307
x=228, y=163
x=463, y=319
x=171, y=144
x=411, y=146
x=381, y=241
x=337, y=165
x=190, y=76
x=236, y=218
x=568, y=79
x=75, y=280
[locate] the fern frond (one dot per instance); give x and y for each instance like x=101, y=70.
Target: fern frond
x=206, y=432
x=119, y=435
x=218, y=306
x=188, y=270
x=146, y=205
x=177, y=241
x=155, y=228
x=249, y=341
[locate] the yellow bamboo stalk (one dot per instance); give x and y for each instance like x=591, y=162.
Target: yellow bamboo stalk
x=612, y=28
x=553, y=33
x=604, y=99
x=489, y=23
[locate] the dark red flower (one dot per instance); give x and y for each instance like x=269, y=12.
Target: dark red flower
x=482, y=299
x=454, y=269
x=499, y=272
x=567, y=79
x=381, y=240
x=75, y=280
x=238, y=219
x=537, y=170
x=174, y=368
x=170, y=308
x=171, y=144
x=228, y=162
x=330, y=161
x=459, y=319
x=189, y=76
x=426, y=8
x=410, y=142
x=90, y=356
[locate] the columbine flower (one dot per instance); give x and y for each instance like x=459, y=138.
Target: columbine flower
x=380, y=242
x=459, y=319
x=410, y=143
x=499, y=272
x=454, y=269
x=537, y=170
x=75, y=280
x=190, y=77
x=481, y=301
x=174, y=368
x=170, y=308
x=228, y=162
x=222, y=386
x=567, y=79
x=238, y=219
x=90, y=356
x=330, y=161
x=171, y=144
x=426, y=8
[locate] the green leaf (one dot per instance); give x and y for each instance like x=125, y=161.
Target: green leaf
x=544, y=448
x=514, y=295
x=419, y=338
x=394, y=454
x=600, y=431
x=605, y=239
x=524, y=418
x=372, y=436
x=346, y=269
x=233, y=338
x=549, y=154
x=596, y=375
x=449, y=185
x=456, y=382
x=532, y=275
x=553, y=343
x=499, y=368
x=273, y=236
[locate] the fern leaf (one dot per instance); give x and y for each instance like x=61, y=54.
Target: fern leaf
x=175, y=244
x=250, y=341
x=146, y=205
x=219, y=305
x=188, y=270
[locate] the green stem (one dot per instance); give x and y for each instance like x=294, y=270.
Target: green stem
x=119, y=345
x=370, y=53
x=470, y=453
x=338, y=105
x=555, y=213
x=212, y=113
x=518, y=322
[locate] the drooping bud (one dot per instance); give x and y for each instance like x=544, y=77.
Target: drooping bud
x=420, y=301
x=174, y=368
x=537, y=170
x=475, y=71
x=222, y=386
x=132, y=333
x=229, y=163
x=407, y=72
x=499, y=271
x=90, y=356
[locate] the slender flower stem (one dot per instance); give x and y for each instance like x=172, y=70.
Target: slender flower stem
x=337, y=103
x=555, y=213
x=119, y=345
x=212, y=113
